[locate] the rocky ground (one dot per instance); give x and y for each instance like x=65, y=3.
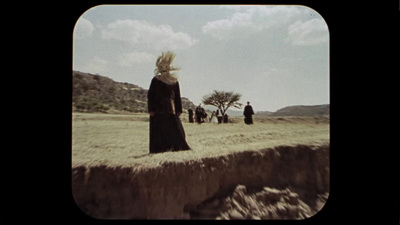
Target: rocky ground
x=284, y=182
x=265, y=204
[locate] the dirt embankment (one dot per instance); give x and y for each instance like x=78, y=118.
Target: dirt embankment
x=285, y=182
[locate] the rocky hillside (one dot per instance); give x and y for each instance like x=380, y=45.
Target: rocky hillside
x=96, y=93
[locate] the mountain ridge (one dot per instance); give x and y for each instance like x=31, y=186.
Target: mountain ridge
x=303, y=110
x=96, y=93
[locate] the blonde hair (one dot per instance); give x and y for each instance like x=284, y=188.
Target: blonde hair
x=164, y=68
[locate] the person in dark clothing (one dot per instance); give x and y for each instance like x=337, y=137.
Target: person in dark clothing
x=199, y=114
x=165, y=107
x=226, y=118
x=219, y=116
x=248, y=113
x=190, y=111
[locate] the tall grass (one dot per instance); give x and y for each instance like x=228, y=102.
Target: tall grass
x=115, y=140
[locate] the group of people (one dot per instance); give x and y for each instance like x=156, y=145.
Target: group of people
x=165, y=108
x=201, y=116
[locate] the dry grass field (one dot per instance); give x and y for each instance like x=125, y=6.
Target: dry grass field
x=123, y=140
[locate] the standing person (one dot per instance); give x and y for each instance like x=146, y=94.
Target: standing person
x=199, y=114
x=190, y=111
x=248, y=112
x=213, y=118
x=205, y=118
x=165, y=107
x=219, y=116
x=226, y=118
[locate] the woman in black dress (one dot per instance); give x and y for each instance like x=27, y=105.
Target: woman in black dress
x=248, y=113
x=165, y=107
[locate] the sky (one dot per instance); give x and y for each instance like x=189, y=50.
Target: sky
x=273, y=55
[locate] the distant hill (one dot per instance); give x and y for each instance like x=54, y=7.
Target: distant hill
x=296, y=110
x=299, y=110
x=264, y=113
x=96, y=93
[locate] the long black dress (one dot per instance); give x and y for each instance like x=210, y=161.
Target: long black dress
x=190, y=111
x=166, y=130
x=248, y=112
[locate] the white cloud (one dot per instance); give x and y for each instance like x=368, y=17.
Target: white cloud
x=128, y=59
x=95, y=65
x=250, y=19
x=311, y=32
x=238, y=25
x=83, y=28
x=137, y=32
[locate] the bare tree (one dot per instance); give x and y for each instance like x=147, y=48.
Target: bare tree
x=223, y=100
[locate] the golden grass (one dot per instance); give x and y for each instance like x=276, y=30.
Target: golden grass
x=123, y=140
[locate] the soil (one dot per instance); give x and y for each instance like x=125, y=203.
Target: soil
x=284, y=182
x=266, y=204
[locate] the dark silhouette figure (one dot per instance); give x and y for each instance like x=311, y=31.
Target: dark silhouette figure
x=190, y=111
x=199, y=114
x=219, y=116
x=248, y=113
x=226, y=118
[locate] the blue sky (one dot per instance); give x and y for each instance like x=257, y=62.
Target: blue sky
x=275, y=56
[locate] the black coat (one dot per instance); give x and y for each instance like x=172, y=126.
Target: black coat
x=248, y=112
x=190, y=115
x=199, y=114
x=166, y=130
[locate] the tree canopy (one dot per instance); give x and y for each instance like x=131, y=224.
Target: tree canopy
x=223, y=100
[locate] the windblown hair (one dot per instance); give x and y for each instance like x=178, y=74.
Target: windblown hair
x=164, y=68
